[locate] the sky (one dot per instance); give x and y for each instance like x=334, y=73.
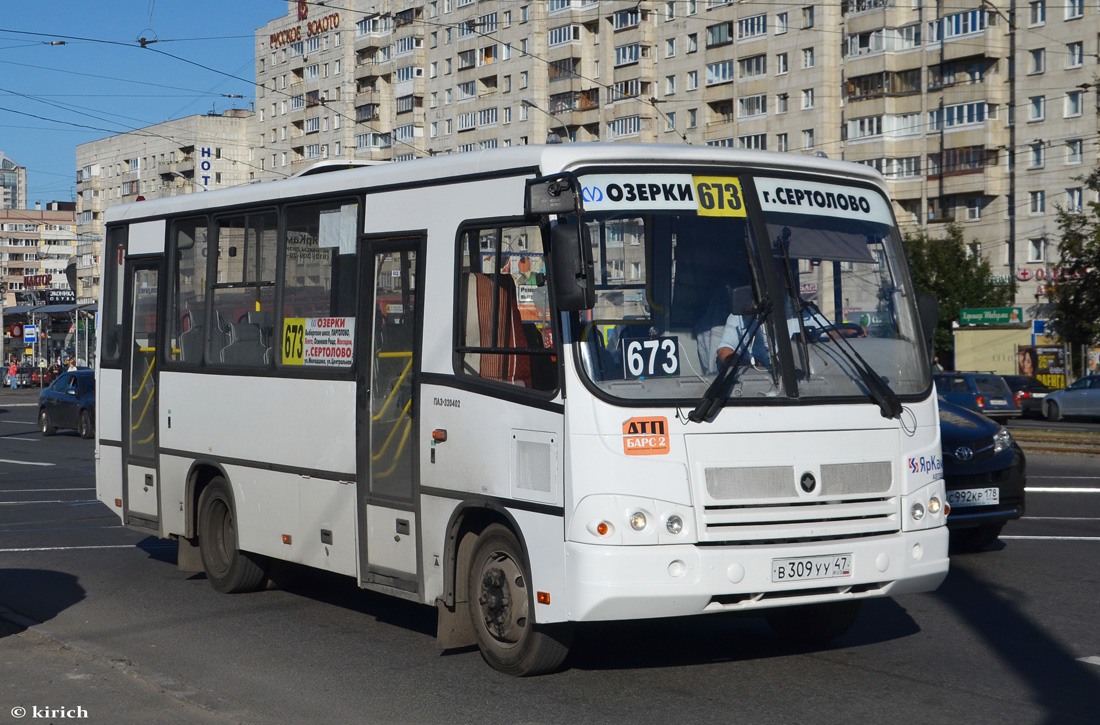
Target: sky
x=101, y=82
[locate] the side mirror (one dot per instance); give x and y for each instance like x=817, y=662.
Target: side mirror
x=571, y=266
x=928, y=307
x=551, y=195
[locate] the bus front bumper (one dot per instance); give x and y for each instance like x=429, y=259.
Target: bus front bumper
x=638, y=582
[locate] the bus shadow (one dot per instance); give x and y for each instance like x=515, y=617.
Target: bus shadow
x=718, y=638
x=34, y=596
x=342, y=591
x=1059, y=684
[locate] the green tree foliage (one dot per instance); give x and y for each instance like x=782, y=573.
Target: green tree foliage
x=1075, y=316
x=946, y=269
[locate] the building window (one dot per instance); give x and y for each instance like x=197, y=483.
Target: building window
x=974, y=208
x=1075, y=54
x=693, y=42
x=1037, y=60
x=670, y=85
x=1074, y=151
x=1036, y=250
x=807, y=57
x=1074, y=9
x=751, y=27
x=781, y=23
x=1037, y=108
x=692, y=80
x=670, y=121
x=781, y=64
x=781, y=103
x=1074, y=103
x=781, y=142
x=1038, y=12
x=808, y=98
x=670, y=48
x=693, y=117
x=1037, y=205
x=807, y=17
x=1074, y=199
x=1035, y=155
x=808, y=139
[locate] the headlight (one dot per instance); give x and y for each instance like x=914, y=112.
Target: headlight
x=917, y=511
x=1002, y=440
x=637, y=521
x=674, y=524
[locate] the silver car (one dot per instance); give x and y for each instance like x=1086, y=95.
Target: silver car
x=1081, y=397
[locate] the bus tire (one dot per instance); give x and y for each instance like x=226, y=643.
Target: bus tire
x=228, y=569
x=814, y=624
x=500, y=610
x=86, y=430
x=44, y=424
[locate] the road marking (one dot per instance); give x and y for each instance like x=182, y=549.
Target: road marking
x=9, y=438
x=18, y=405
x=1052, y=538
x=1062, y=518
x=1057, y=489
x=78, y=548
x=23, y=463
x=1067, y=478
x=1094, y=660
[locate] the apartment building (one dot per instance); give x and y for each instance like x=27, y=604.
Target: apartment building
x=183, y=156
x=13, y=184
x=980, y=113
x=35, y=247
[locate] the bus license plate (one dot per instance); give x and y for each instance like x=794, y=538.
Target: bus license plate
x=974, y=497
x=811, y=567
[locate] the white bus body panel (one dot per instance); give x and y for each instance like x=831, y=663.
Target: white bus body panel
x=628, y=575
x=141, y=491
x=286, y=422
x=108, y=427
x=387, y=547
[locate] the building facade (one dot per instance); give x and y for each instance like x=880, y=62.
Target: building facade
x=188, y=155
x=35, y=247
x=980, y=113
x=13, y=184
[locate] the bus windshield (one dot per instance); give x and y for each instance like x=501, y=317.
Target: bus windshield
x=681, y=290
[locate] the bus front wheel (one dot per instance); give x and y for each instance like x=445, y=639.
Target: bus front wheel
x=813, y=624
x=500, y=610
x=229, y=569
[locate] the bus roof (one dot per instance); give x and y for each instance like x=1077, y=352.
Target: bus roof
x=536, y=160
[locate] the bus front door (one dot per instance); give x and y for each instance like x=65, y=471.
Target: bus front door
x=139, y=435
x=387, y=413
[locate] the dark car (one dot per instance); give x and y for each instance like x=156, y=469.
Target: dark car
x=68, y=403
x=984, y=472
x=985, y=393
x=1079, y=398
x=1029, y=392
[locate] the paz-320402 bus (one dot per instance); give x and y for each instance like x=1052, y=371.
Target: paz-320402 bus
x=532, y=387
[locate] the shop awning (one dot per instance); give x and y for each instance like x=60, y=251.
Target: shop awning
x=21, y=310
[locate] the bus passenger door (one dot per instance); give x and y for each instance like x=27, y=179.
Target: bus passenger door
x=388, y=408
x=139, y=419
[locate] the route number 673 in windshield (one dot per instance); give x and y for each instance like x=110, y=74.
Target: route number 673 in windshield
x=658, y=356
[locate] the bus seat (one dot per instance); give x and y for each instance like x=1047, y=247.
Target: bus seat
x=245, y=346
x=543, y=374
x=262, y=319
x=191, y=342
x=503, y=367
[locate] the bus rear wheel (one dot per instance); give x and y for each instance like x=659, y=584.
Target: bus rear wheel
x=813, y=624
x=229, y=569
x=500, y=610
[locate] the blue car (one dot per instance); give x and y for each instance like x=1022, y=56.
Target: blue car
x=984, y=472
x=69, y=402
x=986, y=393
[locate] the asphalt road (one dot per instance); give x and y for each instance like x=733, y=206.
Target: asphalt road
x=95, y=619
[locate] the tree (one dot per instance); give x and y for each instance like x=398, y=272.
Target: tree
x=958, y=278
x=1075, y=292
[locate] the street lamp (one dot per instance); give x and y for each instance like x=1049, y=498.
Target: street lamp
x=551, y=137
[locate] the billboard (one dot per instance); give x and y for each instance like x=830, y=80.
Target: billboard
x=1046, y=362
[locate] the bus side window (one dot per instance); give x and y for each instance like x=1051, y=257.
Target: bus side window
x=187, y=302
x=504, y=308
x=244, y=285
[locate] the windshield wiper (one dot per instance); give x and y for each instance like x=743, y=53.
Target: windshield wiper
x=714, y=399
x=879, y=390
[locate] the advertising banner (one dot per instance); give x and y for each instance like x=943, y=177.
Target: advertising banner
x=1048, y=363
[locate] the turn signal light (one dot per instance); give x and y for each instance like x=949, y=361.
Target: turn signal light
x=286, y=538
x=542, y=597
x=602, y=528
x=118, y=503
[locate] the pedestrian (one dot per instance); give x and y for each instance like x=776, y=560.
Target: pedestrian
x=13, y=375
